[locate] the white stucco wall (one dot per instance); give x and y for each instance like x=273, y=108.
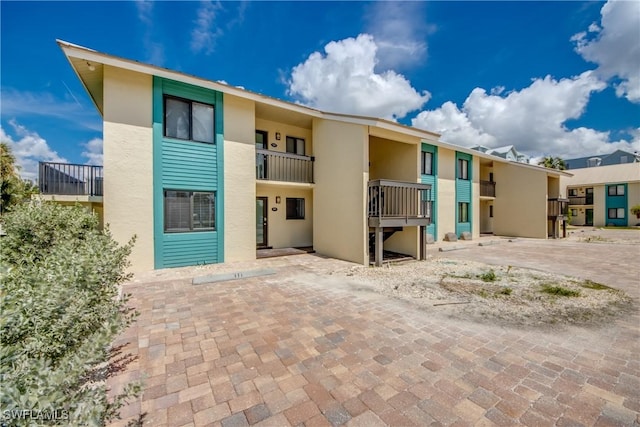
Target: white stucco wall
x=446, y=192
x=340, y=227
x=128, y=162
x=239, y=179
x=283, y=232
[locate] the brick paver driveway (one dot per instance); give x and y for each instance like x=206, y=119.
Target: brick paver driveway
x=301, y=347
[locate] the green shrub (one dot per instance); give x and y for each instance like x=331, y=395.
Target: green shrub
x=560, y=291
x=489, y=276
x=505, y=291
x=60, y=304
x=594, y=285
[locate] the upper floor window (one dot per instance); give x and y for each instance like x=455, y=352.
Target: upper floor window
x=261, y=139
x=427, y=163
x=188, y=120
x=295, y=145
x=463, y=169
x=616, y=190
x=573, y=192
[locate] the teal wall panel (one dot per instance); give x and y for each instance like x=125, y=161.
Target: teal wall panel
x=616, y=202
x=464, y=194
x=189, y=166
x=433, y=181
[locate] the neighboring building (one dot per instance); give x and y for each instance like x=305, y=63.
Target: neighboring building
x=604, y=195
x=203, y=172
x=508, y=152
x=618, y=157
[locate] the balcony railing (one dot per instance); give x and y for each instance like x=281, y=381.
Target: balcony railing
x=581, y=200
x=395, y=204
x=69, y=179
x=487, y=188
x=287, y=167
x=557, y=207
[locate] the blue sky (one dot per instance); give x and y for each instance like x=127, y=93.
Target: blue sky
x=552, y=78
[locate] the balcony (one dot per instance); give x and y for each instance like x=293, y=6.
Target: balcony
x=398, y=204
x=487, y=189
x=580, y=200
x=284, y=167
x=69, y=179
x=557, y=208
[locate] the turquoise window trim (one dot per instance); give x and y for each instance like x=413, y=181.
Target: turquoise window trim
x=162, y=87
x=616, y=202
x=433, y=180
x=464, y=194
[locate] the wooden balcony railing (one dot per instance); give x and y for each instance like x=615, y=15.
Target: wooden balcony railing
x=557, y=208
x=70, y=179
x=287, y=167
x=487, y=188
x=395, y=203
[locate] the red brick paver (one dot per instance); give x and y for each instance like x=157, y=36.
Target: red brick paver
x=301, y=347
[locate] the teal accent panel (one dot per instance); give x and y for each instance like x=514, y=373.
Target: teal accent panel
x=189, y=166
x=616, y=202
x=433, y=181
x=464, y=194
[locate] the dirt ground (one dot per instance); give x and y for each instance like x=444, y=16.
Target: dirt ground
x=507, y=294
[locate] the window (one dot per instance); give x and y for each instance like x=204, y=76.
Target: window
x=427, y=163
x=616, y=190
x=188, y=120
x=189, y=211
x=491, y=177
x=573, y=192
x=574, y=212
x=463, y=169
x=616, y=213
x=463, y=212
x=295, y=145
x=490, y=211
x=262, y=139
x=295, y=208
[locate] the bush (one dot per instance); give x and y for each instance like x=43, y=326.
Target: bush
x=560, y=291
x=489, y=276
x=60, y=304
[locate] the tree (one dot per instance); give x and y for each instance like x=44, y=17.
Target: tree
x=13, y=189
x=61, y=310
x=551, y=162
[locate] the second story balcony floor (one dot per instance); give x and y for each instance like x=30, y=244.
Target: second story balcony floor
x=398, y=204
x=581, y=200
x=65, y=179
x=284, y=167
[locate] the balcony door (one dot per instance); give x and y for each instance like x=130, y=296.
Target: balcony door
x=261, y=222
x=262, y=143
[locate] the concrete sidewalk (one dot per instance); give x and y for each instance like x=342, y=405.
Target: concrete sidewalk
x=301, y=347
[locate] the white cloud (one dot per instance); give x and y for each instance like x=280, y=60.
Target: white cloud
x=155, y=50
x=344, y=80
x=29, y=148
x=93, y=151
x=615, y=46
x=203, y=35
x=533, y=119
x=399, y=29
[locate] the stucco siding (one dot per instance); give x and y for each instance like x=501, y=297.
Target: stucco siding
x=128, y=162
x=520, y=207
x=446, y=192
x=240, y=179
x=283, y=232
x=284, y=130
x=340, y=229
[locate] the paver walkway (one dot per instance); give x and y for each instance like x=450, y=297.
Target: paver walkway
x=302, y=348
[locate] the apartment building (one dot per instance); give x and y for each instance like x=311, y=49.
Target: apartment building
x=202, y=172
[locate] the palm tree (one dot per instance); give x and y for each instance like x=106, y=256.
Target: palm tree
x=553, y=163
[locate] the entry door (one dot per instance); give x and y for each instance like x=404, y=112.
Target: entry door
x=588, y=213
x=261, y=221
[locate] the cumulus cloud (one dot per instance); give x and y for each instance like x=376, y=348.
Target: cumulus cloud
x=400, y=30
x=614, y=46
x=29, y=148
x=343, y=79
x=93, y=151
x=204, y=35
x=533, y=119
